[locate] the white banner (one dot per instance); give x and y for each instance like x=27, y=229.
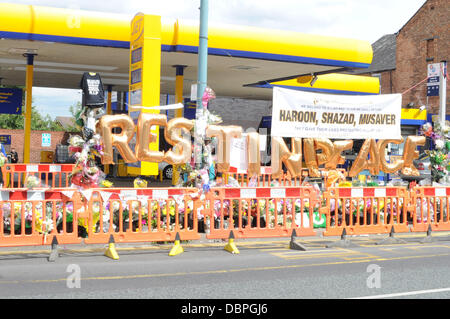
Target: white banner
x=314, y=115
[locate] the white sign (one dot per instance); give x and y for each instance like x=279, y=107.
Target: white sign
x=46, y=139
x=434, y=69
x=313, y=115
x=238, y=153
x=193, y=92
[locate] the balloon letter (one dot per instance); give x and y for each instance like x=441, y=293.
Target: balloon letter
x=281, y=154
x=310, y=157
x=120, y=141
x=410, y=153
x=373, y=164
x=182, y=152
x=145, y=137
x=384, y=166
x=253, y=155
x=224, y=135
x=336, y=157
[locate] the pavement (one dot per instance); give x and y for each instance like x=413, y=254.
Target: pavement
x=309, y=243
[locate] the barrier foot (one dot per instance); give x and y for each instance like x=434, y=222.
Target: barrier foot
x=391, y=239
x=428, y=238
x=293, y=244
x=344, y=242
x=54, y=252
x=111, y=251
x=177, y=248
x=231, y=246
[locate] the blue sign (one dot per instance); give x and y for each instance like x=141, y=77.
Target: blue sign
x=433, y=86
x=189, y=109
x=266, y=122
x=5, y=139
x=11, y=101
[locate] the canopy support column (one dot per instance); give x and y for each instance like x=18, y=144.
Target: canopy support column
x=28, y=109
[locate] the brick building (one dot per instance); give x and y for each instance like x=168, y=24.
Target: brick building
x=401, y=59
x=17, y=138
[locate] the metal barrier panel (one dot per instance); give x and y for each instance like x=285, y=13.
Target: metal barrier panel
x=51, y=175
x=140, y=215
x=429, y=206
x=261, y=212
x=368, y=210
x=33, y=217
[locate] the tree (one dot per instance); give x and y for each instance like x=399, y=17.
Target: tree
x=75, y=111
x=38, y=122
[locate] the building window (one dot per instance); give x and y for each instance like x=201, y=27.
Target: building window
x=430, y=49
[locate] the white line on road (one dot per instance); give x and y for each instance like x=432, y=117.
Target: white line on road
x=410, y=293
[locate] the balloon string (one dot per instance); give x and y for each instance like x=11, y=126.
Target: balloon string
x=415, y=85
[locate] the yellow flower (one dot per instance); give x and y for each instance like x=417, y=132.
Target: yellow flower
x=106, y=183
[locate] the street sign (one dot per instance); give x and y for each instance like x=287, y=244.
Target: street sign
x=190, y=108
x=433, y=79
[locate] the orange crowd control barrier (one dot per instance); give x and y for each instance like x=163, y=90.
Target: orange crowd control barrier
x=51, y=175
x=37, y=216
x=429, y=206
x=34, y=217
x=261, y=211
x=367, y=210
x=140, y=215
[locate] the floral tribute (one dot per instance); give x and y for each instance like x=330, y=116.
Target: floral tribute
x=3, y=159
x=439, y=155
x=46, y=217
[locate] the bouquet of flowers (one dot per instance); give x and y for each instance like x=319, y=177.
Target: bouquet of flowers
x=439, y=159
x=32, y=181
x=86, y=174
x=3, y=159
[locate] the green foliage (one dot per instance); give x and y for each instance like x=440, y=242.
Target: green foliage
x=38, y=122
x=75, y=111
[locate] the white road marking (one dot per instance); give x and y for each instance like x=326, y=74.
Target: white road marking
x=409, y=293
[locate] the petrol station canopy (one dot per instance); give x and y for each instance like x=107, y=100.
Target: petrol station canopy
x=242, y=60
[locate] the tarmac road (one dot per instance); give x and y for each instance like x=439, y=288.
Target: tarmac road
x=264, y=269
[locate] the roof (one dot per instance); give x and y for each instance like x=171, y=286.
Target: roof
x=65, y=121
x=69, y=42
x=384, y=51
x=102, y=29
x=335, y=83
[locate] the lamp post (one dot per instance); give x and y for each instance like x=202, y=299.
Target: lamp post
x=442, y=93
x=200, y=123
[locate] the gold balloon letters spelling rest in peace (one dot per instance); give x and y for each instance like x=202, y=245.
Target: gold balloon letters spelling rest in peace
x=370, y=156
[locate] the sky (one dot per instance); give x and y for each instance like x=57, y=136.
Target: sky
x=365, y=20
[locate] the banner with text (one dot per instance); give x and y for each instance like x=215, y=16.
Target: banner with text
x=304, y=114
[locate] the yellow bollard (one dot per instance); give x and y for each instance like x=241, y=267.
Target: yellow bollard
x=231, y=246
x=111, y=251
x=176, y=249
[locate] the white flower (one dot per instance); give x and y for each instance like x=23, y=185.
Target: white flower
x=48, y=224
x=439, y=144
